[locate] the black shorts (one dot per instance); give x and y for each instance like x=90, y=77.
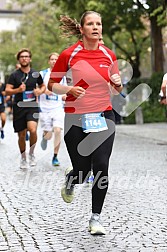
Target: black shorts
x=22, y=115
x=2, y=109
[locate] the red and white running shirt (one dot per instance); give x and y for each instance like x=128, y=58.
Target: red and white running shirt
x=90, y=70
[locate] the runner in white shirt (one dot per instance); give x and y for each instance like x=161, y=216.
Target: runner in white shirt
x=163, y=92
x=52, y=112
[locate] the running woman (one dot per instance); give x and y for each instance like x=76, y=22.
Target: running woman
x=92, y=73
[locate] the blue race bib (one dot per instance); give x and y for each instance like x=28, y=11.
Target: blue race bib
x=93, y=122
x=28, y=96
x=52, y=97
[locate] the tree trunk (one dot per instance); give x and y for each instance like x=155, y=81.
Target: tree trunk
x=136, y=65
x=157, y=48
x=139, y=116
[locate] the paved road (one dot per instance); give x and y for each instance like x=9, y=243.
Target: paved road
x=34, y=218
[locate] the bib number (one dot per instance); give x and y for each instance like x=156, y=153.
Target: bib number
x=28, y=96
x=52, y=97
x=93, y=122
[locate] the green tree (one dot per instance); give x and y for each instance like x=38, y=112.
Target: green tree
x=123, y=24
x=8, y=50
x=121, y=32
x=39, y=31
x=156, y=11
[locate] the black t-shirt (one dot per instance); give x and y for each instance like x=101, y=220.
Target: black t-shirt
x=31, y=80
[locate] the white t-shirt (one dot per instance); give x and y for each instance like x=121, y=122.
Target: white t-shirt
x=53, y=101
x=165, y=77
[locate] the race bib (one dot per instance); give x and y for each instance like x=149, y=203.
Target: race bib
x=93, y=122
x=52, y=97
x=28, y=96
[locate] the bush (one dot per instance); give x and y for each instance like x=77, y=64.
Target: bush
x=151, y=113
x=155, y=84
x=152, y=110
x=135, y=82
x=130, y=119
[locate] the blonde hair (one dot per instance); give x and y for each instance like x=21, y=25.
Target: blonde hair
x=53, y=53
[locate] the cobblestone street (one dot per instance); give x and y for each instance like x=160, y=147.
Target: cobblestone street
x=34, y=218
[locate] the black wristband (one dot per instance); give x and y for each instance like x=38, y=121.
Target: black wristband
x=118, y=85
x=163, y=97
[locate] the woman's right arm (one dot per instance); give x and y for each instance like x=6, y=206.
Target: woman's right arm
x=57, y=88
x=59, y=70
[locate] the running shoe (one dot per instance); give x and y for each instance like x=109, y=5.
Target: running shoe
x=67, y=190
x=55, y=161
x=2, y=134
x=23, y=164
x=95, y=225
x=90, y=179
x=43, y=143
x=32, y=161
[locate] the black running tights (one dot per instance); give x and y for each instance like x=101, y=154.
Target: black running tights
x=90, y=151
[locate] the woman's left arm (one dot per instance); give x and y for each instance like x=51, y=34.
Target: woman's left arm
x=116, y=84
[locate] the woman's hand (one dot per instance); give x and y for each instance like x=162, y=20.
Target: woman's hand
x=77, y=92
x=115, y=84
x=116, y=80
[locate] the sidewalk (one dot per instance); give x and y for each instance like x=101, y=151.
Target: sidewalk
x=151, y=131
